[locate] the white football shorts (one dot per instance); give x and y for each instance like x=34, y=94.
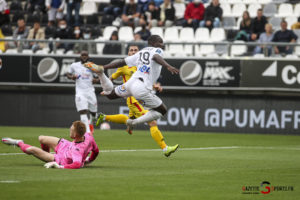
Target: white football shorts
x=86, y=101
x=137, y=88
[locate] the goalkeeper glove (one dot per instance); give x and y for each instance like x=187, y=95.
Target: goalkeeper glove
x=53, y=165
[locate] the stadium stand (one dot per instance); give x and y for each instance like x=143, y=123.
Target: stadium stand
x=92, y=15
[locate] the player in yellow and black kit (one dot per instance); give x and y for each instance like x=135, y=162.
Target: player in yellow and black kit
x=135, y=108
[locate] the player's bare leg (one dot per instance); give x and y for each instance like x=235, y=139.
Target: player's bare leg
x=48, y=142
x=30, y=150
x=40, y=154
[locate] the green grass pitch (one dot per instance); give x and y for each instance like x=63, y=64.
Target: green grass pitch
x=197, y=170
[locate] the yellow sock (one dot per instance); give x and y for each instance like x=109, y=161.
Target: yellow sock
x=120, y=118
x=157, y=136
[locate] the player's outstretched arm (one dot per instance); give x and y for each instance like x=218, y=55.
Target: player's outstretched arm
x=157, y=58
x=115, y=64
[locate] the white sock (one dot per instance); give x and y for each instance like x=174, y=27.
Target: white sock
x=106, y=84
x=148, y=117
x=85, y=120
x=92, y=119
x=165, y=149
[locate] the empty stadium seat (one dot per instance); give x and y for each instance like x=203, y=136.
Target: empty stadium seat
x=285, y=10
x=226, y=10
x=187, y=35
x=88, y=8
x=259, y=55
x=250, y=2
x=137, y=29
x=157, y=31
x=264, y=1
x=108, y=31
x=217, y=35
x=238, y=9
x=176, y=50
x=179, y=10
x=171, y=34
x=275, y=21
x=125, y=33
x=297, y=10
x=223, y=1
x=238, y=50
x=229, y=23
x=202, y=35
x=290, y=21
x=252, y=9
x=188, y=49
x=292, y=56
x=206, y=49
x=234, y=1
x=269, y=10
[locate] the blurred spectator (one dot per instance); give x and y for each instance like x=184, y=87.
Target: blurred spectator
x=55, y=9
x=152, y=14
x=90, y=47
x=194, y=12
x=37, y=33
x=2, y=45
x=258, y=25
x=145, y=33
x=62, y=32
x=36, y=6
x=50, y=30
x=73, y=5
x=284, y=35
x=131, y=16
x=212, y=15
x=267, y=36
x=296, y=25
x=167, y=14
x=143, y=6
x=4, y=13
x=20, y=32
x=113, y=48
x=137, y=42
x=245, y=27
x=158, y=2
x=114, y=8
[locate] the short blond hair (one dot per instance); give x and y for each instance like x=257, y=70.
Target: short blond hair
x=79, y=127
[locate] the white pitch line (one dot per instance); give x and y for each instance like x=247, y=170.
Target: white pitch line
x=10, y=181
x=183, y=149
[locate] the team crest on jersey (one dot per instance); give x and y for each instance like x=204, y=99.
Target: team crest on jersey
x=158, y=51
x=122, y=88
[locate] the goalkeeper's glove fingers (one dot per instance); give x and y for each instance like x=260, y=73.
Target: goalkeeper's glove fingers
x=52, y=165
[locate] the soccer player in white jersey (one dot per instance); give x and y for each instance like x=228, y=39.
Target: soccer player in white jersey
x=85, y=98
x=149, y=62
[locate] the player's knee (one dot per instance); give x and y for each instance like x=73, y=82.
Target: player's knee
x=161, y=109
x=41, y=139
x=29, y=150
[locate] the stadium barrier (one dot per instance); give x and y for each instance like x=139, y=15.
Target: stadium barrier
x=240, y=95
x=223, y=50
